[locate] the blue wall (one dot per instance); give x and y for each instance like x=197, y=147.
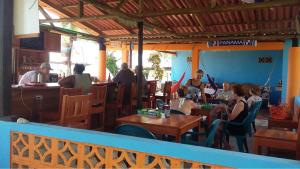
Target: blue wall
x=234, y=66
x=179, y=65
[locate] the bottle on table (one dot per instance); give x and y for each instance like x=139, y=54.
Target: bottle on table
x=167, y=110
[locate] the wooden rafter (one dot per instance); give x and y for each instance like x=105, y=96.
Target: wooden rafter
x=252, y=22
x=80, y=9
x=141, y=7
x=239, y=7
x=68, y=14
x=125, y=16
x=86, y=4
x=45, y=14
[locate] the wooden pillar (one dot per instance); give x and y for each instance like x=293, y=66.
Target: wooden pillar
x=6, y=27
x=293, y=83
x=125, y=54
x=102, y=60
x=195, y=60
x=140, y=64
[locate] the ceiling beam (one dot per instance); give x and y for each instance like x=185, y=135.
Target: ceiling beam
x=252, y=22
x=78, y=19
x=68, y=14
x=193, y=40
x=209, y=34
x=45, y=14
x=239, y=7
x=125, y=16
x=86, y=4
x=69, y=32
x=121, y=4
x=141, y=7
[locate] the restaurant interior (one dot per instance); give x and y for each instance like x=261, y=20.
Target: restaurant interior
x=149, y=84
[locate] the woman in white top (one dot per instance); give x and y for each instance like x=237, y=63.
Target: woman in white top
x=254, y=96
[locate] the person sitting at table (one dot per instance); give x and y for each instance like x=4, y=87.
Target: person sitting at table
x=78, y=80
x=196, y=82
x=254, y=96
x=31, y=76
x=126, y=77
x=239, y=112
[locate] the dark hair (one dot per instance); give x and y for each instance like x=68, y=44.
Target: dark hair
x=79, y=68
x=200, y=71
x=238, y=90
x=255, y=90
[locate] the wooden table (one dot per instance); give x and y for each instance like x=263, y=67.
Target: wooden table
x=176, y=125
x=274, y=139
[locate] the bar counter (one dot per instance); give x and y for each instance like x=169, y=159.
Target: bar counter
x=30, y=101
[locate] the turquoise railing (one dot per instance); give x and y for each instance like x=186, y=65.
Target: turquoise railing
x=193, y=154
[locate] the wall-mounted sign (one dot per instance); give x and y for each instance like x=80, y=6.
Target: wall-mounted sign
x=232, y=43
x=265, y=60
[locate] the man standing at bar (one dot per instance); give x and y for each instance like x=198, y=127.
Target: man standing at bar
x=32, y=75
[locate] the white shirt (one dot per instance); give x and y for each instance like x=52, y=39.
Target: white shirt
x=252, y=100
x=28, y=77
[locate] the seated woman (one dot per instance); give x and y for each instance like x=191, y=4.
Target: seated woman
x=239, y=112
x=78, y=80
x=196, y=82
x=254, y=96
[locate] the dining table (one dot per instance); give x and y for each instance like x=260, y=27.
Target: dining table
x=175, y=125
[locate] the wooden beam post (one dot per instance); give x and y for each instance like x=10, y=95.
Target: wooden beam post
x=195, y=60
x=140, y=64
x=131, y=46
x=6, y=32
x=102, y=59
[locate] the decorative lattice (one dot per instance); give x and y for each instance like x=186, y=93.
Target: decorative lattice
x=32, y=151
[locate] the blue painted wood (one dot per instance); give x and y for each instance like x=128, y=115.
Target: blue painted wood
x=188, y=152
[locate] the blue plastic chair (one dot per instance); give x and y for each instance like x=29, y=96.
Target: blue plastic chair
x=210, y=136
x=133, y=130
x=246, y=124
x=256, y=107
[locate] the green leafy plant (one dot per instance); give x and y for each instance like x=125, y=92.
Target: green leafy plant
x=158, y=71
x=111, y=64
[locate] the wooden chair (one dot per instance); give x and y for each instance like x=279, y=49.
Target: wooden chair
x=76, y=111
x=288, y=124
x=166, y=97
x=149, y=100
x=133, y=98
x=279, y=139
x=117, y=105
x=98, y=105
x=54, y=116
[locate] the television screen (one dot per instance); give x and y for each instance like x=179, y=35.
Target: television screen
x=33, y=43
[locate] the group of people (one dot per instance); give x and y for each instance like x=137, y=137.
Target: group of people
x=239, y=99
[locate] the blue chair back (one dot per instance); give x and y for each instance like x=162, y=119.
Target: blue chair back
x=254, y=109
x=212, y=132
x=133, y=130
x=160, y=104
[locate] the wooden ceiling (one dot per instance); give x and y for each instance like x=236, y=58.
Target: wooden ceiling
x=179, y=20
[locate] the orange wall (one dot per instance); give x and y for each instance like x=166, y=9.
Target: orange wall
x=195, y=61
x=293, y=84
